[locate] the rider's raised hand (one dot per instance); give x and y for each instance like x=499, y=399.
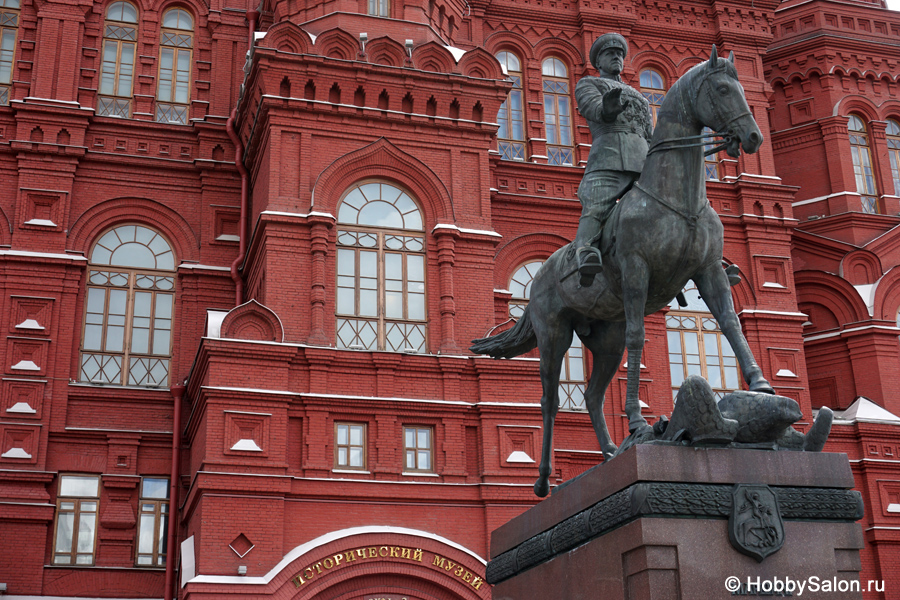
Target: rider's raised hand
x=613, y=105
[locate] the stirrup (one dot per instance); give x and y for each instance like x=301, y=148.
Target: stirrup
x=590, y=263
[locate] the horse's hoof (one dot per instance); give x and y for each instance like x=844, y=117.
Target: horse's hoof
x=609, y=451
x=541, y=488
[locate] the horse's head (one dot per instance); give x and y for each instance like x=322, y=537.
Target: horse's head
x=720, y=105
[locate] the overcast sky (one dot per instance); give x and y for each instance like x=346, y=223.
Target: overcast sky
x=893, y=4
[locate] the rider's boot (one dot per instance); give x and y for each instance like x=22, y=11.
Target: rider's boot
x=590, y=263
x=586, y=244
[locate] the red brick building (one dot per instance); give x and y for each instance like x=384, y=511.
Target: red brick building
x=246, y=248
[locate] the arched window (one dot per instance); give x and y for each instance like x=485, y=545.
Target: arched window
x=511, y=117
x=380, y=271
x=380, y=8
x=893, y=142
x=654, y=90
x=710, y=162
x=862, y=164
x=9, y=25
x=572, y=377
x=117, y=67
x=698, y=347
x=128, y=309
x=557, y=112
x=174, y=90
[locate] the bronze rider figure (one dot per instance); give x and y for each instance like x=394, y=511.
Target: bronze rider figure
x=621, y=126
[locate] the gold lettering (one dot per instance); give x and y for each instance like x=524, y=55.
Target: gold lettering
x=383, y=552
x=373, y=552
x=298, y=580
x=309, y=573
x=349, y=556
x=318, y=567
x=406, y=553
x=438, y=561
x=476, y=583
x=417, y=555
x=361, y=552
x=450, y=565
x=467, y=576
x=459, y=572
x=326, y=562
x=395, y=552
x=337, y=559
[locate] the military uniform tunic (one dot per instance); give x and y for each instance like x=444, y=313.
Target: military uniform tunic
x=618, y=150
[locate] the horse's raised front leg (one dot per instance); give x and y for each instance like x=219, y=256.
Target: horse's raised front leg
x=552, y=344
x=635, y=279
x=715, y=290
x=606, y=341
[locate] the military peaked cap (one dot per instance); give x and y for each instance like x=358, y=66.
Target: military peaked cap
x=607, y=40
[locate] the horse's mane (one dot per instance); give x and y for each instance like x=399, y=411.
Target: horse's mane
x=688, y=82
x=698, y=71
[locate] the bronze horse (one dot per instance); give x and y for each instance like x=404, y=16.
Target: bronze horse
x=662, y=233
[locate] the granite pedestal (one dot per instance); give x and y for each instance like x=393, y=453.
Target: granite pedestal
x=653, y=523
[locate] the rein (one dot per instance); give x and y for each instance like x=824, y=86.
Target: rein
x=704, y=139
x=691, y=219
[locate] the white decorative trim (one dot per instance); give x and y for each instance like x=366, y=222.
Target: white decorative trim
x=5, y=597
x=820, y=198
x=204, y=267
x=519, y=456
x=41, y=254
x=41, y=222
x=15, y=453
x=838, y=333
x=30, y=324
x=463, y=230
x=458, y=53
x=214, y=319
x=246, y=445
x=327, y=539
x=249, y=390
x=26, y=365
x=772, y=312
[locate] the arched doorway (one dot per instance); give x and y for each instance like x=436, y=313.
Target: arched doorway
x=361, y=563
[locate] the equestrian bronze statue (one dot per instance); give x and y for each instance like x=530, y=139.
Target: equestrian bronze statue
x=661, y=234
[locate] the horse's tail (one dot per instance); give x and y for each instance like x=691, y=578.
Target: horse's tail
x=512, y=342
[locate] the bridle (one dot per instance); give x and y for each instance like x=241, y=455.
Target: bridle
x=704, y=139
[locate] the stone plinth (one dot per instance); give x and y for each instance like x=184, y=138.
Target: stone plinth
x=653, y=523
